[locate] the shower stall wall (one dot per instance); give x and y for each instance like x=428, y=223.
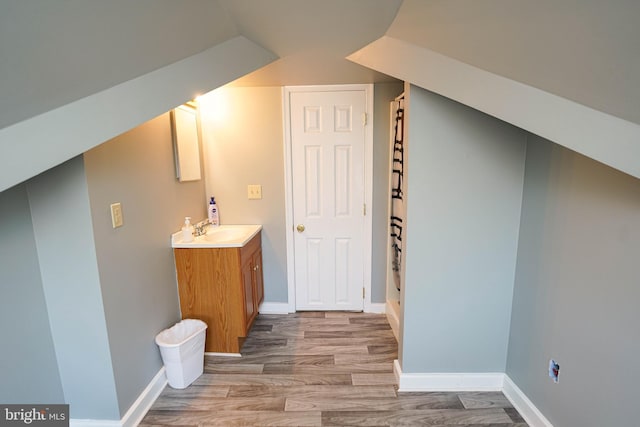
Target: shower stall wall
x=396, y=212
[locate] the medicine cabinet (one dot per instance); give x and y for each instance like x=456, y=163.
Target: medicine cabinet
x=186, y=142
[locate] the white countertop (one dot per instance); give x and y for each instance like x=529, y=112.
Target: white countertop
x=222, y=236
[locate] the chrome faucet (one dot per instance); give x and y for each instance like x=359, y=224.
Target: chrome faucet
x=200, y=229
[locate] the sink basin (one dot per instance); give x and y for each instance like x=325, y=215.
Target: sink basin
x=223, y=236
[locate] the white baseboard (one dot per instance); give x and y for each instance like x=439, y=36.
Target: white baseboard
x=285, y=308
x=472, y=382
x=525, y=407
x=375, y=307
x=141, y=406
x=212, y=353
x=275, y=308
x=138, y=409
x=74, y=422
x=393, y=318
x=459, y=381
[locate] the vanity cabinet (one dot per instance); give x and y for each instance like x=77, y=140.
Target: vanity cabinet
x=224, y=288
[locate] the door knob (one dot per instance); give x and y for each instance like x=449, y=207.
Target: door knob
x=300, y=228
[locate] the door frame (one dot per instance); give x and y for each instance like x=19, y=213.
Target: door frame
x=368, y=185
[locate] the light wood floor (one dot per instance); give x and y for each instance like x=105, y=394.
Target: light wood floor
x=319, y=369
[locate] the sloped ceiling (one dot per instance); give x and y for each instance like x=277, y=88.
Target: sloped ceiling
x=566, y=70
x=587, y=51
x=77, y=73
x=312, y=38
x=55, y=52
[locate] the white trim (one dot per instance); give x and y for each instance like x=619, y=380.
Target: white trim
x=458, y=381
x=138, y=409
x=472, y=382
x=525, y=407
x=368, y=187
x=367, y=240
x=275, y=308
x=397, y=371
x=393, y=318
x=601, y=136
x=212, y=353
x=375, y=307
x=288, y=200
x=94, y=423
x=143, y=403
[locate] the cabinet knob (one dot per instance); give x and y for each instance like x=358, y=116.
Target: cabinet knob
x=300, y=228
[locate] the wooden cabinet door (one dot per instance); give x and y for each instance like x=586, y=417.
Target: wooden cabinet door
x=247, y=284
x=258, y=280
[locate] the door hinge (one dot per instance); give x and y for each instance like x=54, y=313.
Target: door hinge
x=362, y=293
x=364, y=119
x=364, y=209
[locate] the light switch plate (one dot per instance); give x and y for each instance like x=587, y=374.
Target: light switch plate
x=254, y=191
x=116, y=215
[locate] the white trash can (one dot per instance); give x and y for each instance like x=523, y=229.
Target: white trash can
x=182, y=350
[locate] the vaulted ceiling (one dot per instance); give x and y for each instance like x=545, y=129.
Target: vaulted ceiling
x=92, y=57
x=56, y=52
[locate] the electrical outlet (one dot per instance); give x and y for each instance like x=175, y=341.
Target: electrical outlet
x=116, y=215
x=254, y=191
x=554, y=370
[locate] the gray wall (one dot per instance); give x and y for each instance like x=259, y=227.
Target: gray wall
x=90, y=299
x=383, y=93
x=64, y=238
x=242, y=130
x=576, y=292
x=28, y=365
x=135, y=262
x=464, y=190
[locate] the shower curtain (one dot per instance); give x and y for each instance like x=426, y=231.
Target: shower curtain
x=397, y=194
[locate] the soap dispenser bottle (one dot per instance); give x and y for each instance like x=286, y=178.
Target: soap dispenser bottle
x=187, y=230
x=212, y=212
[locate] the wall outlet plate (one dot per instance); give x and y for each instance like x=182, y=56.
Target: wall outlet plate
x=116, y=215
x=554, y=371
x=254, y=191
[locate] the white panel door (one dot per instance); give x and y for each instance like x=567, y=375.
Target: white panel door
x=328, y=139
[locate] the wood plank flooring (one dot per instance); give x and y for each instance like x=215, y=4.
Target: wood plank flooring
x=319, y=369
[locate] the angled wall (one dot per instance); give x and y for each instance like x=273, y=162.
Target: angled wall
x=580, y=50
x=135, y=262
x=601, y=136
x=464, y=176
x=36, y=144
x=576, y=290
x=102, y=44
x=62, y=225
x=28, y=359
x=97, y=296
x=90, y=298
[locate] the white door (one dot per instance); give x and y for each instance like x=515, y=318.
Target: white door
x=328, y=144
